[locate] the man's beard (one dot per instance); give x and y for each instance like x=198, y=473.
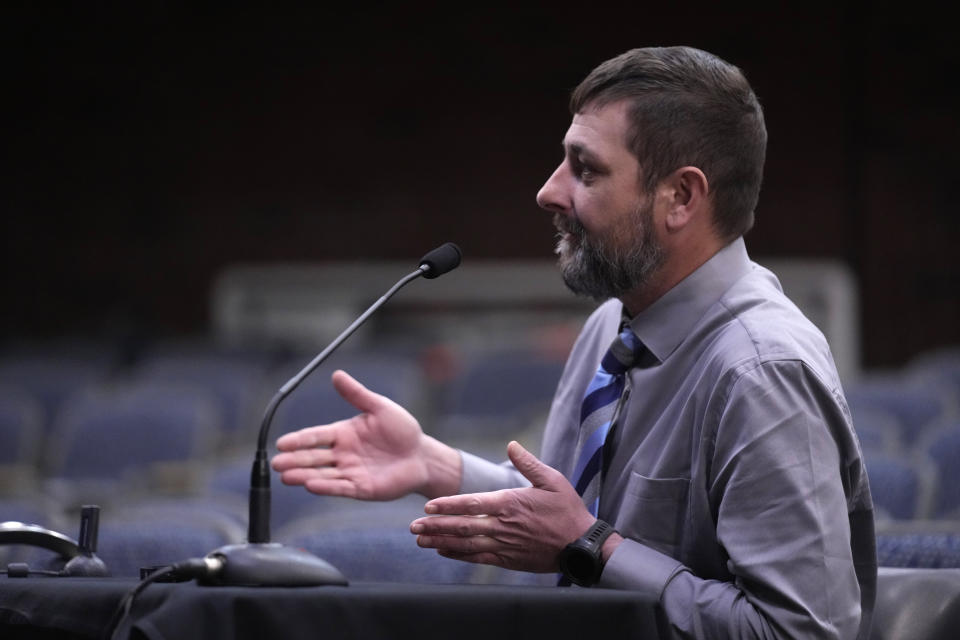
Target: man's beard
x=590, y=267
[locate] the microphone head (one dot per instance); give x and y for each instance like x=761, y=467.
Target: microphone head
x=444, y=258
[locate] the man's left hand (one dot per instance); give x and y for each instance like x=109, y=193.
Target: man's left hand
x=521, y=529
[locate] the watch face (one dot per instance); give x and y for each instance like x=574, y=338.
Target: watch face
x=580, y=565
x=580, y=560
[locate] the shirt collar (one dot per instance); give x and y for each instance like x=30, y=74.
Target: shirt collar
x=663, y=325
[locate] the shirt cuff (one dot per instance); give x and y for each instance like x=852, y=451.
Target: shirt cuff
x=639, y=568
x=482, y=475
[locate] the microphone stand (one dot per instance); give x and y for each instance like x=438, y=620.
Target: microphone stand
x=259, y=562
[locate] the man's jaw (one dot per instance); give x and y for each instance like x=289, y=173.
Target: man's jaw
x=569, y=235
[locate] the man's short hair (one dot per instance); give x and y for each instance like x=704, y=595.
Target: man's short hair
x=688, y=108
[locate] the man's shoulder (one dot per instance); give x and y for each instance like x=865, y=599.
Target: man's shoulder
x=757, y=324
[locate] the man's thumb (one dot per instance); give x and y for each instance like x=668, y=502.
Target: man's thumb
x=355, y=393
x=539, y=474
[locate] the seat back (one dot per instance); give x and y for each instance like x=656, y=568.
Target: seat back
x=21, y=430
x=154, y=534
x=919, y=604
x=118, y=441
x=497, y=396
x=51, y=379
x=316, y=402
x=914, y=406
x=943, y=447
x=902, y=487
x=237, y=385
x=372, y=542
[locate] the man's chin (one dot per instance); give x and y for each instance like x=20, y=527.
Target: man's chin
x=578, y=282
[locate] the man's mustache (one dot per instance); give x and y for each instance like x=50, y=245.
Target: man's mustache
x=568, y=224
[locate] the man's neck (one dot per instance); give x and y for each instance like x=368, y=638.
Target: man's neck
x=679, y=264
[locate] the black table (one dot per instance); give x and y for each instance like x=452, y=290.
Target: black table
x=919, y=604
x=82, y=607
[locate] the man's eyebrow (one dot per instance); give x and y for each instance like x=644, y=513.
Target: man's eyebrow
x=580, y=153
x=578, y=149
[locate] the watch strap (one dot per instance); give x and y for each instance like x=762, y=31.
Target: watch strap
x=597, y=535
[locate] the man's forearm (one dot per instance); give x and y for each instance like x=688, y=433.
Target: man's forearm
x=444, y=468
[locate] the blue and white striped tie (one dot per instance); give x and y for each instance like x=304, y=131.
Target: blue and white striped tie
x=597, y=414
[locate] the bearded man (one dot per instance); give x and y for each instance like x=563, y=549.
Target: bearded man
x=699, y=450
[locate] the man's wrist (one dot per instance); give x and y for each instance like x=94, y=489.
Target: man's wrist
x=609, y=546
x=443, y=467
x=581, y=561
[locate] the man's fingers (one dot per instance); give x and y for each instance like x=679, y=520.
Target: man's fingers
x=306, y=458
x=454, y=544
x=303, y=475
x=455, y=526
x=322, y=436
x=477, y=558
x=325, y=481
x=468, y=504
x=332, y=487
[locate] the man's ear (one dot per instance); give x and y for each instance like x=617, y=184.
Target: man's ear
x=687, y=192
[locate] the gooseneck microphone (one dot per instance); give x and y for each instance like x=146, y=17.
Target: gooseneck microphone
x=444, y=258
x=260, y=562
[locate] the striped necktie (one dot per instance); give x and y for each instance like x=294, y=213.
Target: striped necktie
x=597, y=414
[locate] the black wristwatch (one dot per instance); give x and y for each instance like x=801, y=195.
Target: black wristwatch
x=580, y=561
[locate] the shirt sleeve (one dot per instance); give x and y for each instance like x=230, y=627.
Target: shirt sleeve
x=777, y=490
x=480, y=475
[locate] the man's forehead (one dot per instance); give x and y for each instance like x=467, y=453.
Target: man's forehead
x=601, y=130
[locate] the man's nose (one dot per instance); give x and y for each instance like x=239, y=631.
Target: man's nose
x=554, y=196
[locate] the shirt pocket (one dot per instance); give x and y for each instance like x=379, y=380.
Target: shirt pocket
x=653, y=512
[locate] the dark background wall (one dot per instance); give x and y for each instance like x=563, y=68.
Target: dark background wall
x=150, y=146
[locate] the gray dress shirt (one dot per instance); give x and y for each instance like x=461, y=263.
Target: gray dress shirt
x=734, y=473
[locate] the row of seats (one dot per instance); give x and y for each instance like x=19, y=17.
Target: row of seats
x=908, y=423
x=151, y=437
x=370, y=542
x=365, y=541
x=164, y=443
x=238, y=383
x=74, y=418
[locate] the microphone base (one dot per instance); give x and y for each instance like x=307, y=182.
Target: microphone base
x=271, y=564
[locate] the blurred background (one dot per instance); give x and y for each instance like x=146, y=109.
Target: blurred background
x=197, y=199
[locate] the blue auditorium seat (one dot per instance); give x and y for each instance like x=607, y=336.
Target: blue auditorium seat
x=316, y=402
x=914, y=406
x=943, y=447
x=901, y=486
x=939, y=366
x=232, y=478
x=21, y=426
x=497, y=395
x=152, y=534
x=370, y=541
x=30, y=508
x=381, y=554
x=121, y=440
x=236, y=383
x=916, y=604
x=918, y=544
x=52, y=379
x=877, y=430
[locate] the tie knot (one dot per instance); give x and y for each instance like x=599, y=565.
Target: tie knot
x=624, y=352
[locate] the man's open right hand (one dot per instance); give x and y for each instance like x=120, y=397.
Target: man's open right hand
x=379, y=454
